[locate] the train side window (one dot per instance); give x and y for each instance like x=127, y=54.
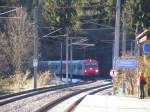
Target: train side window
x=53, y=66
x=64, y=66
x=74, y=66
x=79, y=66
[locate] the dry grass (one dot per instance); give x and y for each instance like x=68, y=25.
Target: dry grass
x=20, y=81
x=43, y=78
x=14, y=82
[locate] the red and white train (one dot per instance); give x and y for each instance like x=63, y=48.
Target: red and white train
x=87, y=67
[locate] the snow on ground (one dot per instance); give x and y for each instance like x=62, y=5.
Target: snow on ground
x=58, y=81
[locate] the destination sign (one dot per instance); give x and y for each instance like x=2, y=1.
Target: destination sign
x=126, y=63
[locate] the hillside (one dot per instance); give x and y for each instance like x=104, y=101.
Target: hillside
x=92, y=19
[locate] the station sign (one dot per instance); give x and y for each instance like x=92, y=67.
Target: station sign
x=126, y=63
x=146, y=47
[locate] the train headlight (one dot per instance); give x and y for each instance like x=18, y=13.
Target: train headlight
x=96, y=71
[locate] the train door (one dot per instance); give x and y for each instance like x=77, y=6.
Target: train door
x=79, y=67
x=72, y=68
x=57, y=68
x=63, y=68
x=75, y=70
x=82, y=64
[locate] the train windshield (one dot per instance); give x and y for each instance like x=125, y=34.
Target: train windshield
x=91, y=65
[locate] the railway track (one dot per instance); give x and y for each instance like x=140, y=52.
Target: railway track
x=5, y=99
x=37, y=101
x=61, y=105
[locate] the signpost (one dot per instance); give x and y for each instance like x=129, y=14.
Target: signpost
x=113, y=73
x=146, y=47
x=35, y=62
x=126, y=63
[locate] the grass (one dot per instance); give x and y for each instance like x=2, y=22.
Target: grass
x=20, y=81
x=43, y=78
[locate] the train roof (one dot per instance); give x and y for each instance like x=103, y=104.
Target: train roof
x=74, y=61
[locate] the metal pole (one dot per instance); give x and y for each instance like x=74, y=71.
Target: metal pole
x=84, y=54
x=131, y=49
x=137, y=53
x=61, y=45
x=123, y=49
x=116, y=42
x=71, y=58
x=137, y=47
x=117, y=31
x=35, y=61
x=124, y=36
x=67, y=55
x=113, y=62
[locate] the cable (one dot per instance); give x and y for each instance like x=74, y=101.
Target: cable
x=8, y=7
x=10, y=17
x=8, y=11
x=95, y=29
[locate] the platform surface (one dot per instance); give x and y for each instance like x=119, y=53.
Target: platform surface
x=105, y=103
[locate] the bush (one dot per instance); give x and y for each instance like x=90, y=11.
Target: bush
x=43, y=78
x=14, y=82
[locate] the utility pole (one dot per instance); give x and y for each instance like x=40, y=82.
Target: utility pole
x=84, y=53
x=116, y=41
x=124, y=35
x=61, y=55
x=131, y=49
x=67, y=55
x=123, y=47
x=137, y=54
x=71, y=58
x=35, y=60
x=117, y=32
x=136, y=50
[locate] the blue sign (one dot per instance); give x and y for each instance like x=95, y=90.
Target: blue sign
x=146, y=47
x=126, y=63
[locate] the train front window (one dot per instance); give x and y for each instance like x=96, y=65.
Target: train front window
x=91, y=65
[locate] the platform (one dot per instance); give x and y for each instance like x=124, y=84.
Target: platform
x=98, y=103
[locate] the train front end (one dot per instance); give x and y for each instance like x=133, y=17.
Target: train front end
x=91, y=68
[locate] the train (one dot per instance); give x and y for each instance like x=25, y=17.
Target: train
x=87, y=67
